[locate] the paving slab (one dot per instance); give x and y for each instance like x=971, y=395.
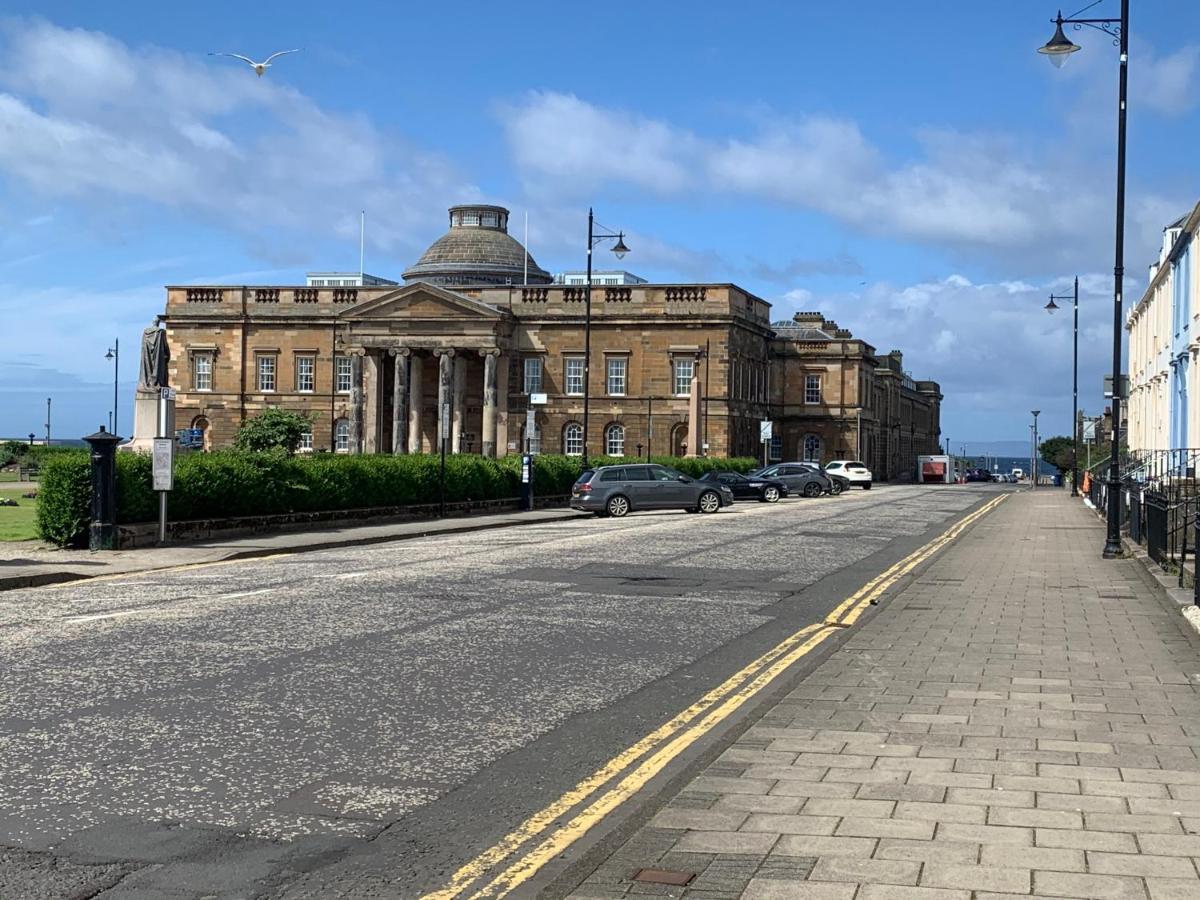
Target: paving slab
x=1019, y=720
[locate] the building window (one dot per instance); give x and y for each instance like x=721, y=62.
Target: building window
x=468, y=218
x=573, y=439
x=685, y=367
x=616, y=369
x=306, y=442
x=202, y=371
x=812, y=448
x=533, y=375
x=614, y=439
x=266, y=372
x=574, y=375
x=490, y=220
x=341, y=436
x=776, y=449
x=200, y=423
x=306, y=367
x=812, y=388
x=343, y=374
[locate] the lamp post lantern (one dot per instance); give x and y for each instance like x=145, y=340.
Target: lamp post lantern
x=1058, y=49
x=619, y=249
x=1050, y=308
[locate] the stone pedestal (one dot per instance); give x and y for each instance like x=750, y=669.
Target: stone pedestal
x=145, y=420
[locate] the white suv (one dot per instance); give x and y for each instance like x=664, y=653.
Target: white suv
x=857, y=474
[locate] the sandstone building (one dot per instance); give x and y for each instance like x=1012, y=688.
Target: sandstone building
x=479, y=329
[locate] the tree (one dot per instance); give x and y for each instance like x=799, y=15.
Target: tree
x=1059, y=452
x=275, y=429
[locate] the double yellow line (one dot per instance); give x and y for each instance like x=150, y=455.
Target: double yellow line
x=665, y=743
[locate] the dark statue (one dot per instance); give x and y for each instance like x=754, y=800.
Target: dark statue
x=155, y=357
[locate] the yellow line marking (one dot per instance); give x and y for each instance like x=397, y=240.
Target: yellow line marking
x=720, y=702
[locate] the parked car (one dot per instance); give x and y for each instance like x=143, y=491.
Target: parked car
x=854, y=471
x=799, y=478
x=744, y=487
x=979, y=475
x=837, y=483
x=618, y=490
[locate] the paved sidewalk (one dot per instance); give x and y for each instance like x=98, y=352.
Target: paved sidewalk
x=22, y=566
x=1023, y=719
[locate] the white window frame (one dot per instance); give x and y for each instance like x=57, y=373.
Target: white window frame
x=614, y=440
x=534, y=375
x=570, y=389
x=306, y=442
x=678, y=364
x=616, y=372
x=343, y=373
x=341, y=436
x=808, y=389
x=775, y=450
x=572, y=435
x=199, y=377
x=266, y=366
x=303, y=360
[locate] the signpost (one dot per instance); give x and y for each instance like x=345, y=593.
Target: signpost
x=444, y=436
x=163, y=460
x=766, y=431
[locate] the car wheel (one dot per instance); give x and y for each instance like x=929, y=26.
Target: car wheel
x=866, y=485
x=812, y=489
x=709, y=502
x=835, y=488
x=617, y=506
x=770, y=494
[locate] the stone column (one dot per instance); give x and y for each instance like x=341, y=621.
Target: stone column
x=356, y=401
x=416, y=402
x=459, y=410
x=400, y=401
x=445, y=391
x=502, y=366
x=488, y=438
x=371, y=395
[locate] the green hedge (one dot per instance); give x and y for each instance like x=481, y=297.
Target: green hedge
x=230, y=483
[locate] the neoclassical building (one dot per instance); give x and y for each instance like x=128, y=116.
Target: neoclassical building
x=480, y=342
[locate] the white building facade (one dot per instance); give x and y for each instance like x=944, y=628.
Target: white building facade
x=1164, y=348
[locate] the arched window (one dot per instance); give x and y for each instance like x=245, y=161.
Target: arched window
x=200, y=423
x=614, y=440
x=679, y=436
x=573, y=439
x=341, y=436
x=812, y=448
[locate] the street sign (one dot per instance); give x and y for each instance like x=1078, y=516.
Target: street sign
x=445, y=421
x=161, y=464
x=1108, y=391
x=537, y=399
x=168, y=393
x=531, y=436
x=766, y=430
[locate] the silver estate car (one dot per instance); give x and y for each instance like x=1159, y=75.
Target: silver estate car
x=619, y=490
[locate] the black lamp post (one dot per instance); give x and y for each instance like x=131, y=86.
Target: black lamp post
x=114, y=353
x=1058, y=48
x=620, y=250
x=1033, y=458
x=1050, y=308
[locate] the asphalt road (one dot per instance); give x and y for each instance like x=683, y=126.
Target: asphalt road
x=360, y=722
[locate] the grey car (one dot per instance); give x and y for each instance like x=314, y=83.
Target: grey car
x=799, y=477
x=619, y=490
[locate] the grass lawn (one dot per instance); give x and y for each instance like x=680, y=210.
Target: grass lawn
x=16, y=522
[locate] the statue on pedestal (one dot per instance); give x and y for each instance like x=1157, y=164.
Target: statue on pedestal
x=155, y=356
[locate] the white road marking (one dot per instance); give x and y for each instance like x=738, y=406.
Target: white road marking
x=244, y=594
x=109, y=615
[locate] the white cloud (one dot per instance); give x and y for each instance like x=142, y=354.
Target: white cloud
x=1167, y=84
x=86, y=117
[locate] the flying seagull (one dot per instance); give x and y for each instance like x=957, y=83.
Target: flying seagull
x=258, y=67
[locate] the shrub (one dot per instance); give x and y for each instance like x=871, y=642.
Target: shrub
x=274, y=429
x=64, y=499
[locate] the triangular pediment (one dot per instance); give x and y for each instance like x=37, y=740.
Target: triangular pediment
x=423, y=301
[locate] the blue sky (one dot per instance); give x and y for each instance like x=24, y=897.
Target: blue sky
x=915, y=171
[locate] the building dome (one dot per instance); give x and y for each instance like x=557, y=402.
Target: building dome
x=476, y=250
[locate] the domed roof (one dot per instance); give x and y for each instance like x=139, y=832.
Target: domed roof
x=476, y=250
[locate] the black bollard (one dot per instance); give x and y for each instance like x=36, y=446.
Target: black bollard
x=102, y=535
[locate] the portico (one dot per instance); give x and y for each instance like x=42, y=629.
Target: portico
x=432, y=362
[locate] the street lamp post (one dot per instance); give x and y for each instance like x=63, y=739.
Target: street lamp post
x=1058, y=49
x=1050, y=308
x=1033, y=457
x=620, y=250
x=114, y=353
